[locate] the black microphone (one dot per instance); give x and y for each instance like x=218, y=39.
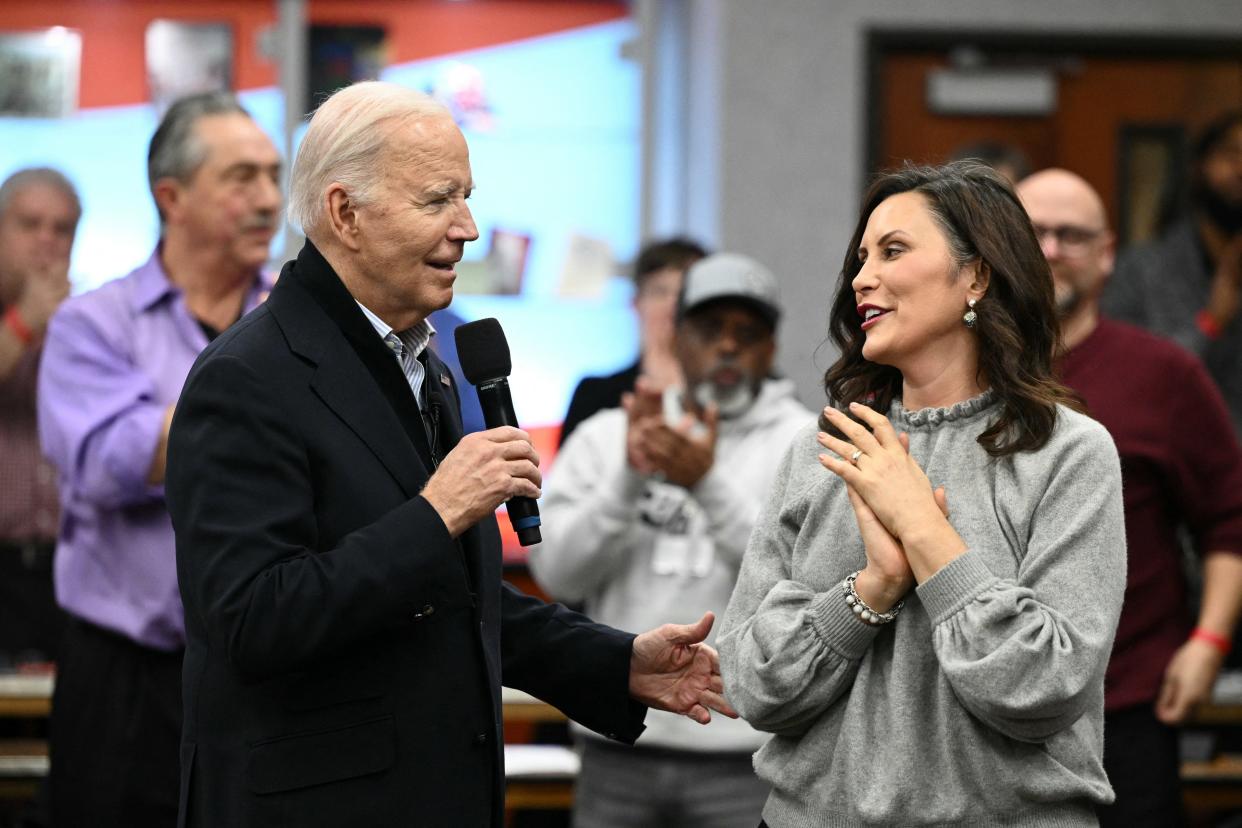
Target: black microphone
x=483, y=353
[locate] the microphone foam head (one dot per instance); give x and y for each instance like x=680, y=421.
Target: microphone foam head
x=483, y=351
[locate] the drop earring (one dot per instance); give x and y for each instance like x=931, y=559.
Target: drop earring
x=970, y=317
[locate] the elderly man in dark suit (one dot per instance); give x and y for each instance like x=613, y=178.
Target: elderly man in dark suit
x=347, y=627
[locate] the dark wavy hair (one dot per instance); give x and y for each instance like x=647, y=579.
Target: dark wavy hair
x=1017, y=326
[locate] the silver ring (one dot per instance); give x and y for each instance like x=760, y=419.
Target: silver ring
x=854, y=457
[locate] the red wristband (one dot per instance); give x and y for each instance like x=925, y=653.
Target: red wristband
x=1218, y=641
x=18, y=326
x=1207, y=324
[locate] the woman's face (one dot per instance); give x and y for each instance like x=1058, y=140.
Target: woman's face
x=910, y=293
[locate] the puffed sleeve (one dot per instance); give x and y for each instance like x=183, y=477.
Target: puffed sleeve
x=787, y=650
x=1026, y=655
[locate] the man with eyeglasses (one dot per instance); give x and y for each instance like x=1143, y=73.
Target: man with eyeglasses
x=1182, y=474
x=1187, y=285
x=647, y=513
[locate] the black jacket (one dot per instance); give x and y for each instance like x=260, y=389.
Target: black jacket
x=344, y=655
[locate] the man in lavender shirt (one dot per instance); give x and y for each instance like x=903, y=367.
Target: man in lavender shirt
x=113, y=366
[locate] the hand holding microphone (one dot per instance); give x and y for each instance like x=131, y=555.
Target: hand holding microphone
x=484, y=355
x=485, y=469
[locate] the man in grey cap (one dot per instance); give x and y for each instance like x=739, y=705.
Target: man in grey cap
x=647, y=513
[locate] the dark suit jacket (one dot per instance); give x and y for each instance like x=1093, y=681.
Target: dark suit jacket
x=344, y=655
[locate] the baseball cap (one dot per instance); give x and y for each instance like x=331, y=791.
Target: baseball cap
x=731, y=276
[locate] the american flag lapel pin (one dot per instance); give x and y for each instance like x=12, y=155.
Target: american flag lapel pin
x=445, y=381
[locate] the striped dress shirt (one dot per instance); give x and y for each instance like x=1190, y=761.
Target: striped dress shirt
x=406, y=346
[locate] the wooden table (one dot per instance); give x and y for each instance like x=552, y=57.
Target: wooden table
x=26, y=697
x=31, y=697
x=523, y=707
x=548, y=785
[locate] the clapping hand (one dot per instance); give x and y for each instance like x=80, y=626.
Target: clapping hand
x=643, y=407
x=44, y=288
x=903, y=520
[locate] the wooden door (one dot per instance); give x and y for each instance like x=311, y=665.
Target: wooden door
x=1124, y=121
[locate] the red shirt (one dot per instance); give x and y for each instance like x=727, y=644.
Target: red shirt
x=1181, y=467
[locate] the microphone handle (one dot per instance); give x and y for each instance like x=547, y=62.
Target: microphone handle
x=497, y=404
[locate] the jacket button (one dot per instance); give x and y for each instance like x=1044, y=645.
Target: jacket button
x=424, y=612
x=480, y=738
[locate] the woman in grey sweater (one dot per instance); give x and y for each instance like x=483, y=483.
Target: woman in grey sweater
x=929, y=598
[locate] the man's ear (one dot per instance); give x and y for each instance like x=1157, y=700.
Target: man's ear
x=1108, y=253
x=169, y=198
x=342, y=216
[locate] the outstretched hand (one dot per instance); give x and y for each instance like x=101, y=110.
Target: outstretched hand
x=672, y=669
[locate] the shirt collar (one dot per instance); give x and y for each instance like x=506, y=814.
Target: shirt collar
x=152, y=285
x=414, y=339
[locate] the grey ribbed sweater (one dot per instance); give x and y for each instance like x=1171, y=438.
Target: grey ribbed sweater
x=983, y=703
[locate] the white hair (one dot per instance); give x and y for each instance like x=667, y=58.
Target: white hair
x=344, y=142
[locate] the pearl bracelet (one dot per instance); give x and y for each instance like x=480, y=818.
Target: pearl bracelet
x=864, y=612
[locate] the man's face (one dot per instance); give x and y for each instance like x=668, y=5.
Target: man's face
x=1070, y=224
x=416, y=227
x=656, y=305
x=1221, y=180
x=231, y=203
x=36, y=234
x=725, y=349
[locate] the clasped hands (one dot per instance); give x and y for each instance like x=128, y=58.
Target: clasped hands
x=902, y=519
x=681, y=453
x=44, y=286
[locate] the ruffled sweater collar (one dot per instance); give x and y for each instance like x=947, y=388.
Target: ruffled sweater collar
x=930, y=418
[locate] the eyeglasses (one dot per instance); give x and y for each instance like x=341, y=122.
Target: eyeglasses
x=1071, y=240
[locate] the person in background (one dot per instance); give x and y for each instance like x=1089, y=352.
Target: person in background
x=647, y=514
x=1187, y=285
x=39, y=212
x=113, y=366
x=657, y=283
x=1181, y=471
x=925, y=611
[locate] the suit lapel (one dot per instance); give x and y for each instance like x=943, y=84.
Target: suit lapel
x=343, y=379
x=444, y=397
x=344, y=385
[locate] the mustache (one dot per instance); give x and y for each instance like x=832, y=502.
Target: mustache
x=727, y=365
x=261, y=221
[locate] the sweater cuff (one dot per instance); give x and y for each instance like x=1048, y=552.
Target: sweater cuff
x=956, y=584
x=838, y=627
